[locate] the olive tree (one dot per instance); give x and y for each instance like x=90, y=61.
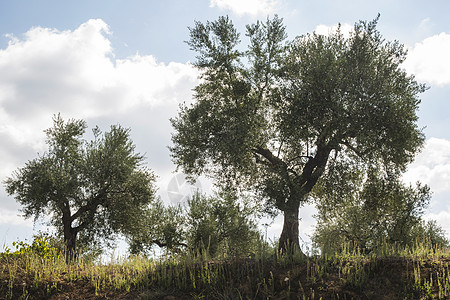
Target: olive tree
x=275, y=117
x=219, y=225
x=377, y=210
x=90, y=190
x=222, y=224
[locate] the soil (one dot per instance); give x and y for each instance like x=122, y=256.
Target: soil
x=388, y=278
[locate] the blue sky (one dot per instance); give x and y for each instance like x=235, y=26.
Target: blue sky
x=126, y=62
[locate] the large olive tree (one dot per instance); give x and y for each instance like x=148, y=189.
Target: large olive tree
x=277, y=116
x=90, y=190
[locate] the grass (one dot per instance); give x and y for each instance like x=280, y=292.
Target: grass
x=419, y=272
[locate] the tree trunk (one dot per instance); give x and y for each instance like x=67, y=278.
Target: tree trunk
x=70, y=238
x=71, y=246
x=289, y=239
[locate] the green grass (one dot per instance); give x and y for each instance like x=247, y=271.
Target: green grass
x=419, y=272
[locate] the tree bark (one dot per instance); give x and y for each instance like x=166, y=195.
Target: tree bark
x=300, y=185
x=289, y=239
x=70, y=241
x=70, y=238
x=313, y=169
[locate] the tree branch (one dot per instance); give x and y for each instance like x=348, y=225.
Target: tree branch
x=164, y=244
x=274, y=160
x=314, y=168
x=301, y=156
x=357, y=152
x=276, y=163
x=91, y=204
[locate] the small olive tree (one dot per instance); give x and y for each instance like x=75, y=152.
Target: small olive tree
x=222, y=224
x=90, y=190
x=219, y=225
x=374, y=210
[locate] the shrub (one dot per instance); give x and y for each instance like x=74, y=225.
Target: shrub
x=40, y=247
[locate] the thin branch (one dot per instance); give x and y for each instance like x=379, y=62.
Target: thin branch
x=164, y=244
x=300, y=156
x=357, y=152
x=279, y=148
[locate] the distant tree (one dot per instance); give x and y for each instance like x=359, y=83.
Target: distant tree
x=162, y=226
x=378, y=209
x=277, y=116
x=90, y=190
x=221, y=224
x=430, y=232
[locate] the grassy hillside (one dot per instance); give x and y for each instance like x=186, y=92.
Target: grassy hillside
x=419, y=273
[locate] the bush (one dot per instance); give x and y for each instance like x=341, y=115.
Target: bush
x=40, y=247
x=376, y=210
x=222, y=224
x=431, y=233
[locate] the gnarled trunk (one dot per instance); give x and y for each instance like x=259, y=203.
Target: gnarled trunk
x=313, y=169
x=289, y=239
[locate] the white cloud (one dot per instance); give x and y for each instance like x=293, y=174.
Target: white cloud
x=432, y=166
x=429, y=60
x=149, y=82
x=75, y=73
x=249, y=7
x=322, y=29
x=12, y=218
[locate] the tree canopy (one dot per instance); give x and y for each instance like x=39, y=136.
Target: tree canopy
x=90, y=190
x=281, y=115
x=377, y=210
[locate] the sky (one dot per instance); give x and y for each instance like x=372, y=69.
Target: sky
x=126, y=62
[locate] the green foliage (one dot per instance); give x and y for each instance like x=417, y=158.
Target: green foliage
x=90, y=190
x=219, y=226
x=40, y=247
x=419, y=272
x=371, y=211
x=278, y=117
x=222, y=225
x=162, y=226
x=431, y=233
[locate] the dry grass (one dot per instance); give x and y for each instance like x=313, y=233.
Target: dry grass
x=421, y=272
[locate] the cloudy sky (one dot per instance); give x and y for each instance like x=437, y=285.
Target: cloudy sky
x=125, y=62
